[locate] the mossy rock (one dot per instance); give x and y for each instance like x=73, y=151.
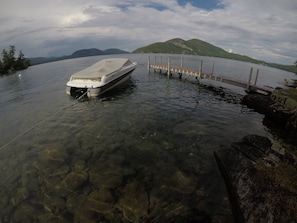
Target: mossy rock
x=286, y=176
x=287, y=97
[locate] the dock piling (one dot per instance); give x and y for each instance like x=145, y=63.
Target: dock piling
x=212, y=68
x=149, y=64
x=256, y=79
x=200, y=69
x=168, y=67
x=250, y=78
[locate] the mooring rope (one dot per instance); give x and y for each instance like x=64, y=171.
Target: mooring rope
x=43, y=120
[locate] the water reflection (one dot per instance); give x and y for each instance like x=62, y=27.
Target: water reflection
x=14, y=86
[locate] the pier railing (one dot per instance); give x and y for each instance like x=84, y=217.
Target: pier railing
x=165, y=64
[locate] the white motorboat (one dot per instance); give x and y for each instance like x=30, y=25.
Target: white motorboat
x=100, y=77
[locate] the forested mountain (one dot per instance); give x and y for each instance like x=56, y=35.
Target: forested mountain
x=77, y=54
x=199, y=47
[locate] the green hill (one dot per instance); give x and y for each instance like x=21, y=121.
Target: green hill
x=87, y=53
x=201, y=48
x=191, y=47
x=96, y=52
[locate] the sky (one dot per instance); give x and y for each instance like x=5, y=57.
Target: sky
x=262, y=29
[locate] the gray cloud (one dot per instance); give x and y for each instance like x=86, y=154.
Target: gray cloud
x=263, y=29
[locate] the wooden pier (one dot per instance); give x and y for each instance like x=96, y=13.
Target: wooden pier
x=199, y=74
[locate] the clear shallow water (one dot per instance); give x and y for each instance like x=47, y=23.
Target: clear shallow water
x=146, y=147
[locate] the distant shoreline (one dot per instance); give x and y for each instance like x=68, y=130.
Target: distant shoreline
x=41, y=60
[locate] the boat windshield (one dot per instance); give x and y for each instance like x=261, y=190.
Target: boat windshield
x=101, y=68
x=87, y=78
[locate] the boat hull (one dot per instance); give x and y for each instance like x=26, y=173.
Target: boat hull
x=96, y=87
x=96, y=91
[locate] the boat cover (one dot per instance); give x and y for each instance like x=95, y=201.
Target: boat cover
x=101, y=68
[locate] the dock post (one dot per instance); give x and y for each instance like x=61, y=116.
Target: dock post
x=256, y=77
x=200, y=70
x=149, y=65
x=168, y=67
x=212, y=69
x=249, y=82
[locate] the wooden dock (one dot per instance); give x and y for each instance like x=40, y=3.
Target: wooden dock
x=199, y=74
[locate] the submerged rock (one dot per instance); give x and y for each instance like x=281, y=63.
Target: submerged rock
x=122, y=185
x=24, y=213
x=49, y=218
x=20, y=195
x=54, y=203
x=105, y=179
x=79, y=165
x=95, y=206
x=249, y=168
x=109, y=173
x=134, y=203
x=51, y=158
x=73, y=200
x=54, y=154
x=71, y=183
x=29, y=179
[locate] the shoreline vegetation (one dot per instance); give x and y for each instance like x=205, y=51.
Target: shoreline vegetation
x=77, y=54
x=10, y=64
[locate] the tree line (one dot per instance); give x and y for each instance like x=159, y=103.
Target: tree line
x=9, y=63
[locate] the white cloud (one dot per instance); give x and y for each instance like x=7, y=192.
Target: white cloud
x=263, y=29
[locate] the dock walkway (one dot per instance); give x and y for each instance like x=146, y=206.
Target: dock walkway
x=199, y=74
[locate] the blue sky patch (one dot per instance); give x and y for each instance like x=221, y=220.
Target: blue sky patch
x=204, y=4
x=156, y=6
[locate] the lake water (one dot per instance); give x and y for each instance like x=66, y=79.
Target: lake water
x=140, y=153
